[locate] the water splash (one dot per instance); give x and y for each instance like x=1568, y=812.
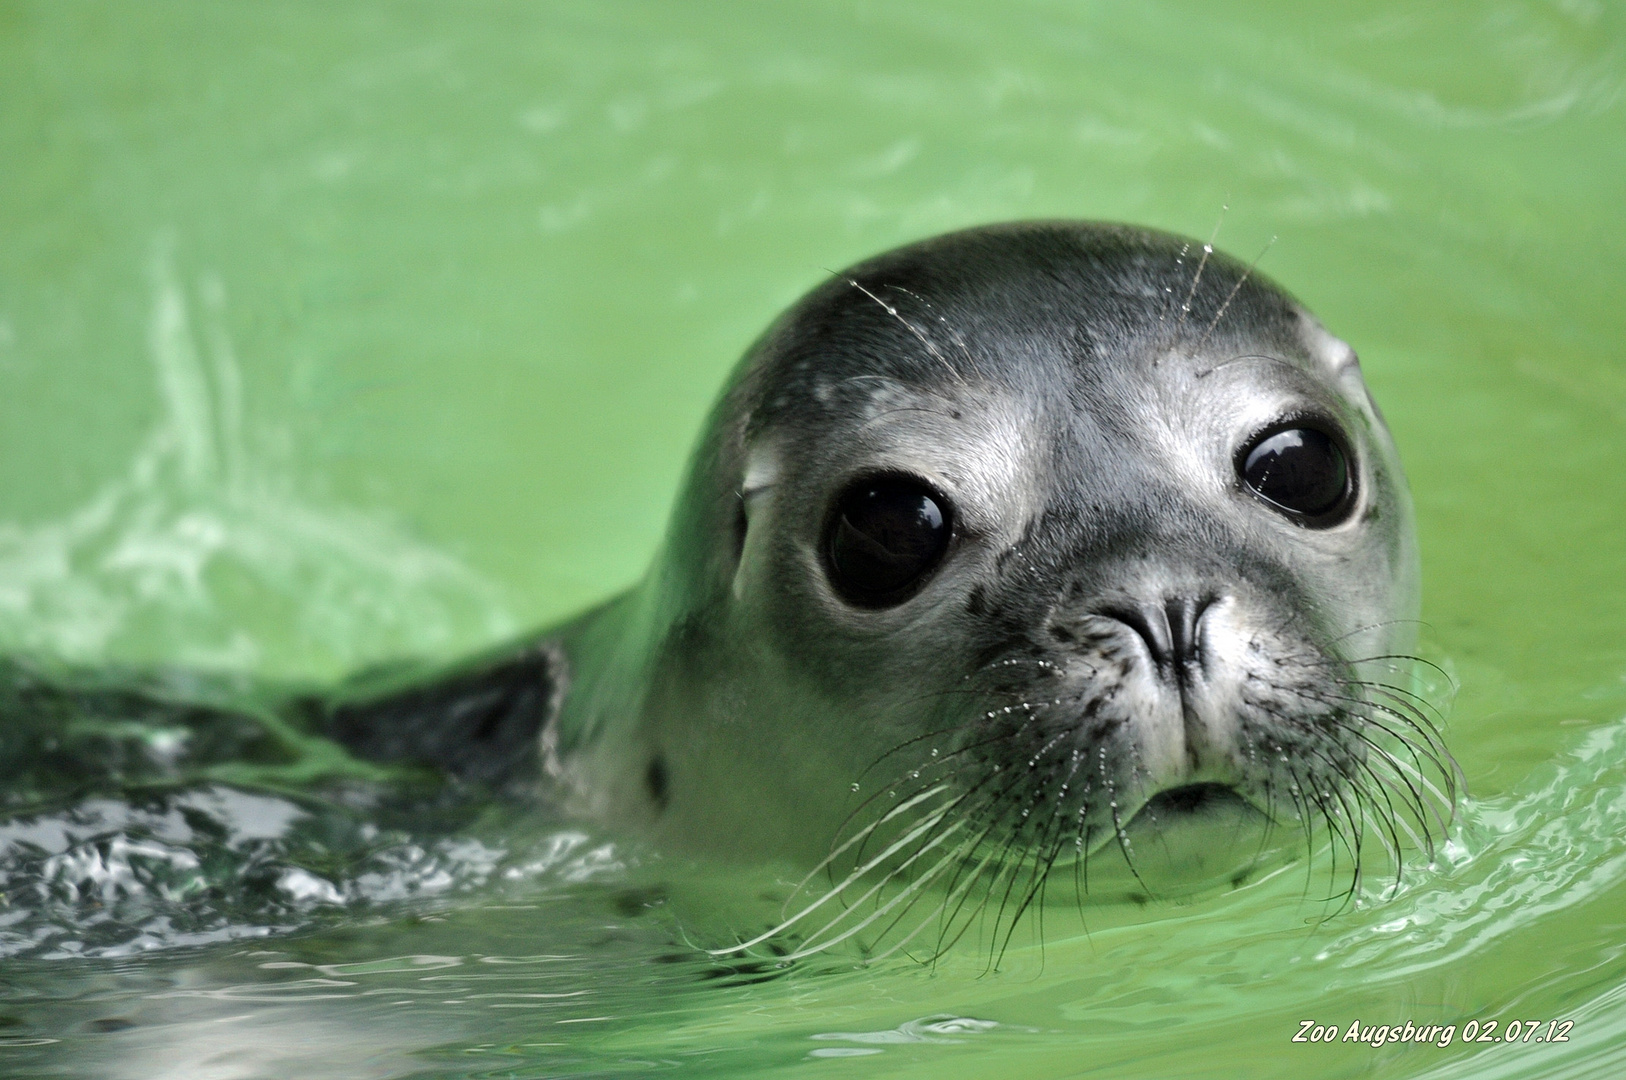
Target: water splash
x=1546, y=847
x=209, y=864
x=200, y=555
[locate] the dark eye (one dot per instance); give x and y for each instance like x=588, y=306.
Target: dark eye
x=1301, y=470
x=886, y=534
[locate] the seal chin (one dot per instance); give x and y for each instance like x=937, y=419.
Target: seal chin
x=1185, y=840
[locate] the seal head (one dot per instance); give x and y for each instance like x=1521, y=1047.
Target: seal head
x=1070, y=533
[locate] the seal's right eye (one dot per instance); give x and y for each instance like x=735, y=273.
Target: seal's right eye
x=885, y=536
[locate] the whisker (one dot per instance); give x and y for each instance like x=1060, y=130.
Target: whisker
x=787, y=922
x=914, y=886
x=1220, y=314
x=954, y=335
x=937, y=913
x=1196, y=279
x=931, y=347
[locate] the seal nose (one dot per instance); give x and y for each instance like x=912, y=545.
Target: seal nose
x=1172, y=631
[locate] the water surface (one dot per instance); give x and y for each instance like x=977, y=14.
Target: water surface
x=331, y=336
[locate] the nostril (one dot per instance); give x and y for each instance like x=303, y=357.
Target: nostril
x=1153, y=627
x=1172, y=632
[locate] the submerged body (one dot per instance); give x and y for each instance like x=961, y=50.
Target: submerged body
x=998, y=550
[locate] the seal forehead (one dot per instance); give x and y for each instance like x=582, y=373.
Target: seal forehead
x=1034, y=307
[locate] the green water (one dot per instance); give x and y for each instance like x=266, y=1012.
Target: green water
x=335, y=333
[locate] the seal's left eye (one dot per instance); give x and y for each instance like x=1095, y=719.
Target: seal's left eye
x=885, y=536
x=1302, y=471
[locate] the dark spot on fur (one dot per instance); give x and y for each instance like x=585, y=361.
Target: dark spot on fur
x=977, y=602
x=656, y=780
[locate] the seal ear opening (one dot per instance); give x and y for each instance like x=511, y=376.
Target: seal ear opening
x=1335, y=356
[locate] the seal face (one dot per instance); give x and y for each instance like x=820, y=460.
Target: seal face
x=1009, y=550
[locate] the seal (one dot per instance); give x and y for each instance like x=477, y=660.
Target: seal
x=1001, y=552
